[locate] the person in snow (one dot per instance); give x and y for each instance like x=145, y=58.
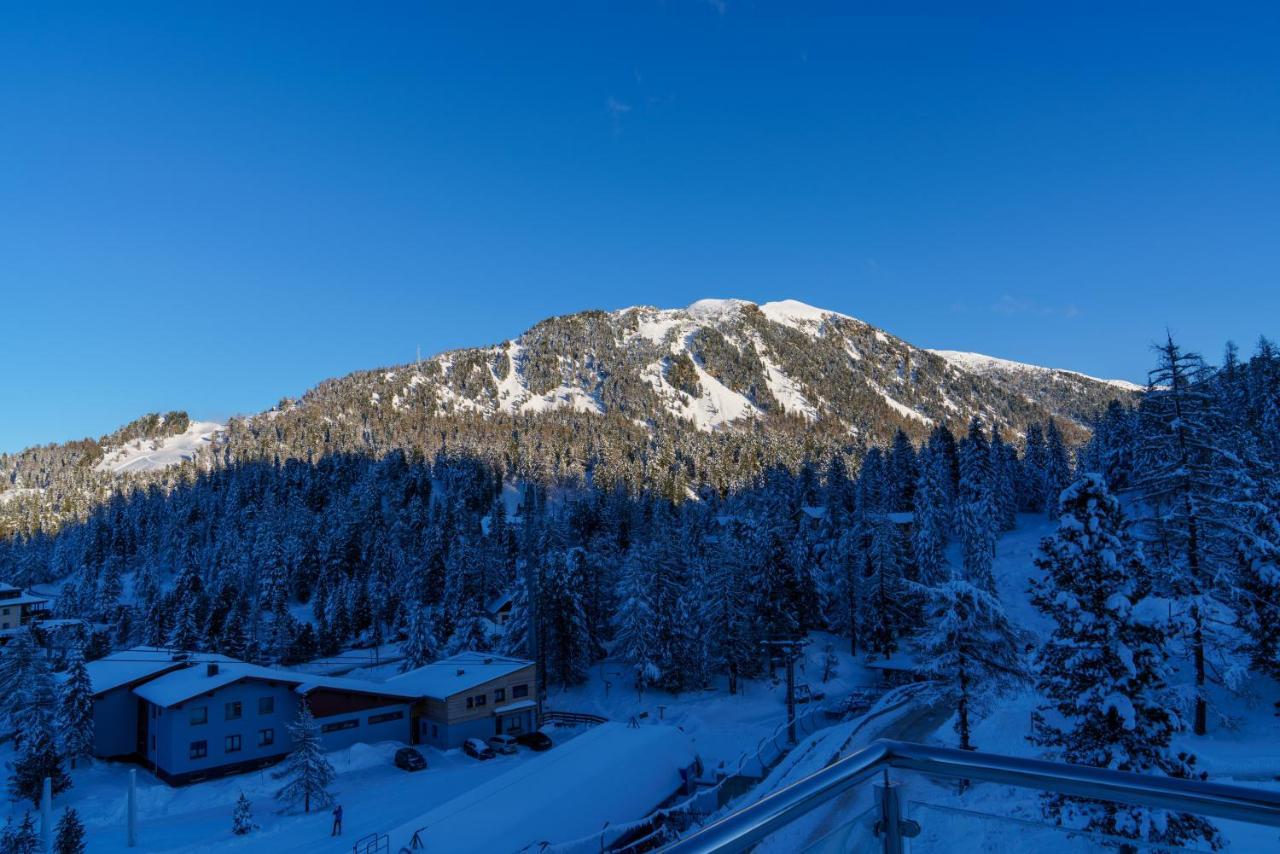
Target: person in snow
x=337, y=821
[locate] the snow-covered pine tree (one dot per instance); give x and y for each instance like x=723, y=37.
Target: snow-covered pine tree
x=420, y=646
x=242, y=817
x=1031, y=489
x=970, y=648
x=1190, y=481
x=567, y=637
x=1057, y=468
x=1257, y=596
x=75, y=709
x=307, y=770
x=883, y=590
x=69, y=833
x=1102, y=671
x=975, y=509
x=635, y=625
x=729, y=610
x=38, y=757
x=1005, y=470
x=20, y=838
x=931, y=519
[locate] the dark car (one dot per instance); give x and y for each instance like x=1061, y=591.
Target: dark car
x=477, y=749
x=538, y=741
x=410, y=759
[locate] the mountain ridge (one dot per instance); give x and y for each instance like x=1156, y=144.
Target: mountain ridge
x=708, y=395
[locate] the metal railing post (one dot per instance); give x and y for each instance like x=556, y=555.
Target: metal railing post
x=893, y=826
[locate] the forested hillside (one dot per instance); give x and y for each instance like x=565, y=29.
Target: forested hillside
x=677, y=401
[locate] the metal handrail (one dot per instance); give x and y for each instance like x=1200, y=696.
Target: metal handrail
x=741, y=829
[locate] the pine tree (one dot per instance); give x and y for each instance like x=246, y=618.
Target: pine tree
x=970, y=648
x=242, y=817
x=636, y=623
x=22, y=839
x=75, y=710
x=38, y=758
x=1057, y=468
x=568, y=639
x=1031, y=488
x=975, y=509
x=307, y=769
x=420, y=646
x=69, y=838
x=1102, y=671
x=1190, y=480
x=1257, y=598
x=884, y=591
x=931, y=520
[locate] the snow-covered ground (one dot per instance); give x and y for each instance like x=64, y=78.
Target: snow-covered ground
x=148, y=454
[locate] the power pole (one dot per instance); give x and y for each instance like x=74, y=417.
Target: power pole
x=790, y=649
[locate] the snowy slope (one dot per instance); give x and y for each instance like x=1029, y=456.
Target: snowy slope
x=151, y=454
x=990, y=366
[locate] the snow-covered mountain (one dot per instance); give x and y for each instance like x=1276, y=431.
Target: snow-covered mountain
x=723, y=364
x=679, y=398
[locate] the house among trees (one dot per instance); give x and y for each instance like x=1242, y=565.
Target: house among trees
x=18, y=608
x=499, y=610
x=190, y=717
x=470, y=695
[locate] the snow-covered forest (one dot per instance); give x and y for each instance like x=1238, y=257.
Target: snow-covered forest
x=1163, y=578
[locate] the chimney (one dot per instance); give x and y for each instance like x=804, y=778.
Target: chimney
x=211, y=669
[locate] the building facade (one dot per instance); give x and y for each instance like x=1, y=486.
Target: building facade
x=18, y=608
x=470, y=695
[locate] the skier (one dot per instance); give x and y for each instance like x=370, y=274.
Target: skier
x=337, y=821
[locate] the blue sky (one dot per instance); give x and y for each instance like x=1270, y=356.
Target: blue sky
x=210, y=206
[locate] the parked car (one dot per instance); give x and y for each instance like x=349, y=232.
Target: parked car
x=805, y=693
x=535, y=740
x=477, y=749
x=502, y=744
x=410, y=759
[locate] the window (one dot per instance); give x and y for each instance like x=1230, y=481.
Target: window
x=386, y=716
x=266, y=705
x=234, y=710
x=481, y=699
x=519, y=691
x=199, y=715
x=197, y=750
x=434, y=732
x=499, y=694
x=233, y=744
x=471, y=701
x=266, y=737
x=350, y=723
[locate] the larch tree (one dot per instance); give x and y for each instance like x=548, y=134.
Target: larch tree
x=1102, y=671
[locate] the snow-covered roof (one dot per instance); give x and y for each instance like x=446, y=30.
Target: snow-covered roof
x=179, y=686
x=611, y=773
x=23, y=599
x=132, y=665
x=460, y=672
x=514, y=707
x=499, y=603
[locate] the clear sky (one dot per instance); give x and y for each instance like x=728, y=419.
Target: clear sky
x=210, y=206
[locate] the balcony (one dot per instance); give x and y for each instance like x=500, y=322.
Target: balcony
x=896, y=796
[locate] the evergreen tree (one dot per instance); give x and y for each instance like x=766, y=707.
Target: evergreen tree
x=1057, y=468
x=931, y=520
x=1190, y=479
x=38, y=758
x=69, y=838
x=75, y=710
x=884, y=591
x=1031, y=488
x=242, y=817
x=568, y=639
x=420, y=646
x=22, y=839
x=307, y=770
x=970, y=648
x=1102, y=671
x=975, y=509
